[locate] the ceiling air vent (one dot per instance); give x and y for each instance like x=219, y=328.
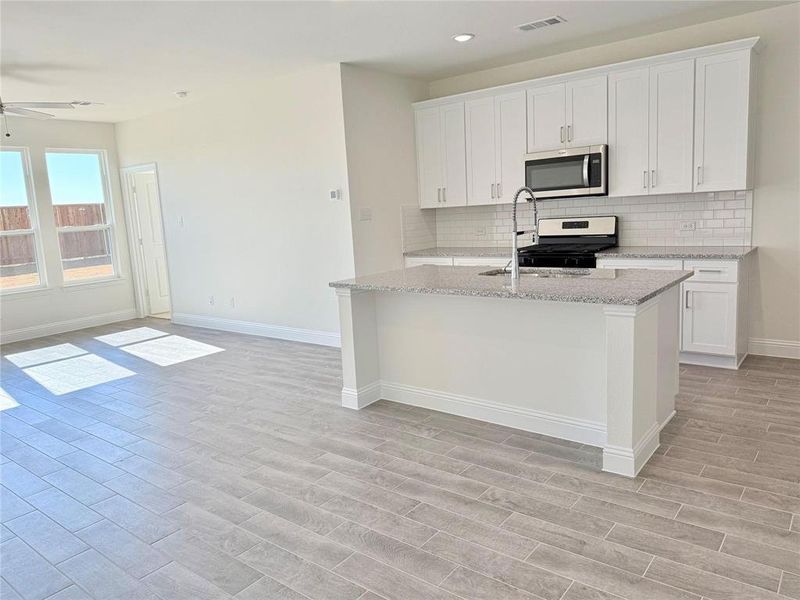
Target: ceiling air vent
x=541, y=23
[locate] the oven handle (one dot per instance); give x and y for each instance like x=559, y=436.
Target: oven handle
x=586, y=170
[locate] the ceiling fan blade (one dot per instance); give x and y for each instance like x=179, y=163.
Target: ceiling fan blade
x=39, y=105
x=24, y=112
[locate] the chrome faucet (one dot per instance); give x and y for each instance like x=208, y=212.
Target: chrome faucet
x=515, y=233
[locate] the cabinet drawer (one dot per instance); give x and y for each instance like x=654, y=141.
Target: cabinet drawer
x=415, y=261
x=713, y=270
x=640, y=263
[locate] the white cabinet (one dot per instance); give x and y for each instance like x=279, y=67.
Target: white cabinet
x=568, y=114
x=709, y=318
x=713, y=315
x=722, y=123
x=495, y=148
x=441, y=156
x=650, y=129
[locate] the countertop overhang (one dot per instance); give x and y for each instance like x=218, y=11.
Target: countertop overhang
x=601, y=286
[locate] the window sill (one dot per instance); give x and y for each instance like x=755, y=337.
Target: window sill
x=92, y=283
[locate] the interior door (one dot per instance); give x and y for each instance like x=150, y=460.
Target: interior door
x=510, y=155
x=546, y=118
x=429, y=156
x=671, y=127
x=627, y=132
x=481, y=176
x=151, y=239
x=587, y=111
x=720, y=130
x=709, y=318
x=454, y=158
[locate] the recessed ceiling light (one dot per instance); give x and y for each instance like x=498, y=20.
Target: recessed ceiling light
x=463, y=37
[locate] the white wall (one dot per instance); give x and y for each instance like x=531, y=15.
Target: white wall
x=244, y=182
x=58, y=308
x=381, y=161
x=775, y=312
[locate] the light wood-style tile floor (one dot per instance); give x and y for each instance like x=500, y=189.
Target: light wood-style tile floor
x=238, y=475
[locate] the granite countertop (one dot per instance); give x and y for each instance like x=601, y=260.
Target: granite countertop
x=710, y=252
x=600, y=286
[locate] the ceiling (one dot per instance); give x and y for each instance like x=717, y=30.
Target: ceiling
x=133, y=56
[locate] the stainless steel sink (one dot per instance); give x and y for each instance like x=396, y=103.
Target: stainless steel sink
x=541, y=272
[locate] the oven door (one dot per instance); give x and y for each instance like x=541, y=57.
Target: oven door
x=568, y=172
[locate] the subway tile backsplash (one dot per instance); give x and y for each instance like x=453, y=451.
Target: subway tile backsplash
x=719, y=219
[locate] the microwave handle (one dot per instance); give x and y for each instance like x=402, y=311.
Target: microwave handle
x=586, y=171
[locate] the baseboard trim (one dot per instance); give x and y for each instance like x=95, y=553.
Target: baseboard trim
x=358, y=399
x=711, y=360
x=627, y=461
x=37, y=331
x=281, y=332
x=568, y=428
x=777, y=348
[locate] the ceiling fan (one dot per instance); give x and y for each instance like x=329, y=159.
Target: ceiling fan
x=23, y=109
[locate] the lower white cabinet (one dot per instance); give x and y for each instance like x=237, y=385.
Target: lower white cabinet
x=713, y=318
x=416, y=261
x=458, y=261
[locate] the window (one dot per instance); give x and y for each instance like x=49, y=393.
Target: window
x=19, y=230
x=79, y=193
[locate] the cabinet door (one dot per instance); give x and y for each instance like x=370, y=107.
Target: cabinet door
x=546, y=118
x=721, y=121
x=454, y=157
x=671, y=127
x=481, y=175
x=587, y=111
x=709, y=318
x=429, y=156
x=510, y=155
x=627, y=132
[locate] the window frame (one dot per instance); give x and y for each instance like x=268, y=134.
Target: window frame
x=35, y=230
x=109, y=226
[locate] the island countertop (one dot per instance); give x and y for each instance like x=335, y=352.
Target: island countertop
x=599, y=286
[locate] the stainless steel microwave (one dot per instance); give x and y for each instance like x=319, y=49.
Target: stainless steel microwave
x=568, y=172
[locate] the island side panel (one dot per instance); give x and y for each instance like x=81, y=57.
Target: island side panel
x=532, y=365
x=632, y=386
x=360, y=365
x=669, y=347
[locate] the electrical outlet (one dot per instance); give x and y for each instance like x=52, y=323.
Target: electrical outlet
x=688, y=225
x=480, y=230
x=211, y=300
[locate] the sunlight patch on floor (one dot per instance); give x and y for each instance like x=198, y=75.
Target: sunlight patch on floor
x=7, y=400
x=170, y=350
x=73, y=374
x=43, y=355
x=130, y=336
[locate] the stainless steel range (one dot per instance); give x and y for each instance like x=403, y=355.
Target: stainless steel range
x=570, y=242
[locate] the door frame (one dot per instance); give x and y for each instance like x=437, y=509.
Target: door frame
x=133, y=228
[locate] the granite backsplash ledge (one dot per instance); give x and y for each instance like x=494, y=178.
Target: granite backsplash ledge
x=718, y=219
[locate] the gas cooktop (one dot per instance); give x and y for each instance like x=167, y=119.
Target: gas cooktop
x=570, y=242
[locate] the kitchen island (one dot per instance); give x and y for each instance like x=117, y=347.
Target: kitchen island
x=585, y=355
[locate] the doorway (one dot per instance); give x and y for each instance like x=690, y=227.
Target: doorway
x=146, y=239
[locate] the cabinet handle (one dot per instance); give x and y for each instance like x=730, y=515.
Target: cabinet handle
x=499, y=190
x=709, y=270
x=493, y=193
x=699, y=174
x=562, y=134
x=438, y=194
x=569, y=133
x=653, y=177
x=644, y=179
x=687, y=299
x=444, y=194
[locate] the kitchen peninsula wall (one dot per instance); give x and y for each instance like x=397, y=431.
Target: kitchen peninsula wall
x=719, y=219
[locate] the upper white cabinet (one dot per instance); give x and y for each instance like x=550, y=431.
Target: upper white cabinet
x=568, y=114
x=495, y=128
x=441, y=156
x=650, y=125
x=722, y=123
x=675, y=123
